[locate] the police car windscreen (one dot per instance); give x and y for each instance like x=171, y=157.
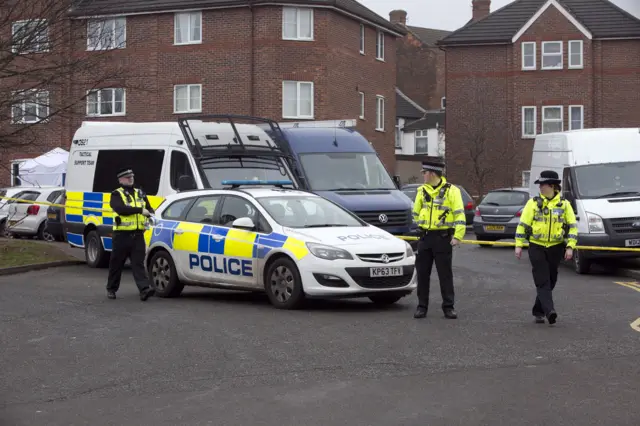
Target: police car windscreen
x=307, y=212
x=608, y=180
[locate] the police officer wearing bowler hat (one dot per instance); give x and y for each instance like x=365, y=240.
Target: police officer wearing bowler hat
x=545, y=221
x=131, y=207
x=439, y=212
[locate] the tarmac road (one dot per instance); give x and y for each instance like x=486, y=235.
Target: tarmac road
x=70, y=356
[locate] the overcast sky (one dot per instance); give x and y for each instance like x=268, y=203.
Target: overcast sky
x=452, y=14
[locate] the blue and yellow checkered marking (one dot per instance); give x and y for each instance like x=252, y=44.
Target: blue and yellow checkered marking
x=93, y=207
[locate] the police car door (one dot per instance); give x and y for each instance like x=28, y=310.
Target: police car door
x=237, y=260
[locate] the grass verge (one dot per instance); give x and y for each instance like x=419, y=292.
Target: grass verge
x=19, y=253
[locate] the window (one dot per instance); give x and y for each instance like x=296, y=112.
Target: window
x=31, y=106
x=575, y=54
x=361, y=105
x=501, y=198
x=422, y=142
x=180, y=166
x=187, y=28
x=380, y=46
x=528, y=55
x=526, y=175
x=297, y=23
x=551, y=119
x=146, y=164
x=103, y=34
x=297, y=99
x=203, y=209
x=234, y=208
x=26, y=196
x=380, y=113
x=362, y=38
x=552, y=55
x=30, y=36
x=576, y=117
x=443, y=102
x=187, y=98
x=176, y=210
x=398, y=136
x=106, y=102
x=529, y=122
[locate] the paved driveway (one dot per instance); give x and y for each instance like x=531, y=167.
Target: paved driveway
x=71, y=357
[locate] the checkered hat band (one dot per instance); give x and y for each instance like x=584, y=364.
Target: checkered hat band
x=433, y=168
x=125, y=173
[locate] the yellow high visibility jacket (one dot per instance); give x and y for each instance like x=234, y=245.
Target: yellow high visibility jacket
x=440, y=208
x=132, y=222
x=545, y=221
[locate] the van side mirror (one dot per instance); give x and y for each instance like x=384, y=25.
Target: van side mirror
x=396, y=181
x=186, y=183
x=244, y=223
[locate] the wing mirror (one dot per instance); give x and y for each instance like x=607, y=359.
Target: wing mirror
x=244, y=223
x=152, y=221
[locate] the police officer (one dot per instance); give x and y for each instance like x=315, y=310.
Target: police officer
x=545, y=220
x=131, y=209
x=439, y=212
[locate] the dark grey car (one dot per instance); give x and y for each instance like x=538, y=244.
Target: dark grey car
x=498, y=214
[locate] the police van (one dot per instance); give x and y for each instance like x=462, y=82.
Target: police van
x=261, y=236
x=200, y=152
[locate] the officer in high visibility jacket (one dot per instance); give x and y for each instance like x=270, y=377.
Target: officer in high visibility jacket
x=439, y=212
x=131, y=207
x=545, y=220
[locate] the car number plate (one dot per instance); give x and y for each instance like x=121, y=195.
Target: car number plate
x=632, y=243
x=51, y=215
x=494, y=228
x=389, y=271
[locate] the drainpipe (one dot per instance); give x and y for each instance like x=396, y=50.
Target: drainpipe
x=251, y=64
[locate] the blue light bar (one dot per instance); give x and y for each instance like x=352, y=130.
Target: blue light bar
x=257, y=182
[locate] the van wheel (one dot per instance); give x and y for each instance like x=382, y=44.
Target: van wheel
x=94, y=253
x=580, y=264
x=385, y=299
x=283, y=284
x=163, y=275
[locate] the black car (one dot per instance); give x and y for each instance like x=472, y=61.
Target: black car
x=411, y=190
x=55, y=218
x=498, y=214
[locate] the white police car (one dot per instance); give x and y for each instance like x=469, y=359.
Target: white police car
x=259, y=236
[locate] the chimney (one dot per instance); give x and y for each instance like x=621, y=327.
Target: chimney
x=398, y=17
x=481, y=8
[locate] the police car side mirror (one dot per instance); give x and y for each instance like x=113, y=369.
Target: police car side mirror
x=244, y=223
x=153, y=221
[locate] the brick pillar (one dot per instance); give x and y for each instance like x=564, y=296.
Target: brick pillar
x=398, y=17
x=481, y=8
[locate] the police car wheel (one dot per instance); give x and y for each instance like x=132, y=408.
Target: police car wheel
x=283, y=284
x=162, y=274
x=384, y=299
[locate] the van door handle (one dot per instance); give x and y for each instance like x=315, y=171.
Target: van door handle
x=217, y=237
x=179, y=231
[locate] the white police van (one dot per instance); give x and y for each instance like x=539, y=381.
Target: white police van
x=262, y=236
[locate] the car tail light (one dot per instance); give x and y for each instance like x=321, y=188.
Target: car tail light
x=469, y=206
x=33, y=209
x=477, y=211
x=519, y=213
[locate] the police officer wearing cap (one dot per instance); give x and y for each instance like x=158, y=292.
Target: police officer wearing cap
x=131, y=209
x=545, y=222
x=439, y=212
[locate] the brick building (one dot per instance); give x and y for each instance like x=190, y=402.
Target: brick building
x=299, y=60
x=534, y=66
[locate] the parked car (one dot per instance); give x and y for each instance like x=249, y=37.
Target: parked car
x=498, y=214
x=4, y=206
x=55, y=219
x=27, y=219
x=469, y=205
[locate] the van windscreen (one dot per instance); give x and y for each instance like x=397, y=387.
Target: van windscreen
x=608, y=180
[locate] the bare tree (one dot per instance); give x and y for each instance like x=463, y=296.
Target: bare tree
x=49, y=66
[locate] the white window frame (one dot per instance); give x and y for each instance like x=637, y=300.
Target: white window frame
x=113, y=102
x=189, y=110
x=543, y=121
x=113, y=21
x=41, y=46
x=298, y=115
x=24, y=102
x=380, y=101
x=535, y=122
x=362, y=33
x=571, y=53
x=421, y=134
x=380, y=46
x=535, y=62
x=543, y=55
x=571, y=117
x=526, y=181
x=176, y=17
x=443, y=102
x=397, y=143
x=297, y=36
x=361, y=105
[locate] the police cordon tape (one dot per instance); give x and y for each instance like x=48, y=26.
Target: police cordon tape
x=402, y=237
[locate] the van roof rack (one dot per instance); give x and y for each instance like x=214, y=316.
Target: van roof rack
x=238, y=183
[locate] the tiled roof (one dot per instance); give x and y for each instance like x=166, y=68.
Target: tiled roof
x=124, y=7
x=601, y=17
x=432, y=120
x=429, y=35
x=406, y=108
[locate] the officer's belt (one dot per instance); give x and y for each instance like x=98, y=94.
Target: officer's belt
x=442, y=232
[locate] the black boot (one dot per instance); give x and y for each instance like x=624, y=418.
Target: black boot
x=147, y=293
x=111, y=294
x=552, y=317
x=539, y=319
x=421, y=312
x=450, y=314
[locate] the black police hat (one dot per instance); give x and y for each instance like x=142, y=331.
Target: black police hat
x=548, y=177
x=433, y=166
x=125, y=173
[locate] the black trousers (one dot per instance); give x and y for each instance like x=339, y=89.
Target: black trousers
x=544, y=266
x=127, y=244
x=435, y=247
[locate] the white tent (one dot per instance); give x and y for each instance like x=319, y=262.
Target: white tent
x=49, y=169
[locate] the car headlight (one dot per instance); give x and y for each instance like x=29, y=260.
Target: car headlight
x=409, y=252
x=328, y=253
x=596, y=225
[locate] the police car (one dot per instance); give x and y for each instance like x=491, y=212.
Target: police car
x=261, y=236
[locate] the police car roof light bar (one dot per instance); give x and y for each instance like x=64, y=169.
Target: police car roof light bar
x=238, y=183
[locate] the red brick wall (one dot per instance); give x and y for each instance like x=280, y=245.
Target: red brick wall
x=418, y=69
